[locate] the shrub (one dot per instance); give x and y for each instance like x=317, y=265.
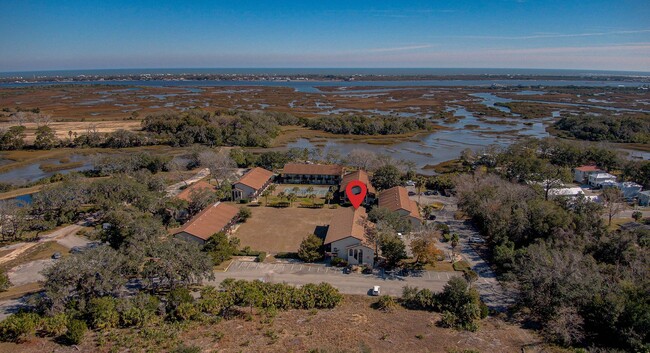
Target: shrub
x=311, y=249
x=244, y=213
x=138, y=311
x=386, y=303
x=103, y=313
x=448, y=319
x=484, y=310
x=179, y=302
x=243, y=201
x=4, y=281
x=287, y=255
x=260, y=257
x=54, y=325
x=187, y=349
x=76, y=331
x=19, y=327
x=338, y=262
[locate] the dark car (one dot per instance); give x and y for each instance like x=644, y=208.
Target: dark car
x=347, y=270
x=411, y=193
x=56, y=255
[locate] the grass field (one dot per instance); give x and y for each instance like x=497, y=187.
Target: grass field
x=278, y=230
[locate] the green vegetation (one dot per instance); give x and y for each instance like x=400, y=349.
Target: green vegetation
x=365, y=125
x=579, y=281
x=311, y=249
x=634, y=129
x=459, y=304
x=386, y=177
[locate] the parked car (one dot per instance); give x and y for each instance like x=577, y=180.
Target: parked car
x=410, y=183
x=476, y=240
x=347, y=270
x=429, y=192
x=411, y=193
x=56, y=255
x=376, y=291
x=432, y=217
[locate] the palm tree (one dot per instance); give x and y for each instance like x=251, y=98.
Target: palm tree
x=328, y=197
x=281, y=195
x=420, y=182
x=266, y=195
x=454, y=243
x=292, y=197
x=310, y=190
x=295, y=190
x=312, y=197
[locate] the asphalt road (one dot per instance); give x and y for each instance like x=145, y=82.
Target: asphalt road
x=354, y=283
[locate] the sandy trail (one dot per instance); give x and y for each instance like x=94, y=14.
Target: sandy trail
x=57, y=234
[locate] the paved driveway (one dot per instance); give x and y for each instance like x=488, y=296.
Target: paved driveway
x=354, y=283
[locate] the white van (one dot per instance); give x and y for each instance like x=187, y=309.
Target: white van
x=375, y=290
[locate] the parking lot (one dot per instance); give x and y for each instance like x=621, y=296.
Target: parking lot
x=353, y=283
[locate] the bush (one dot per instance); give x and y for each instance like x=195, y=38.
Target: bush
x=244, y=201
x=19, y=327
x=338, y=262
x=54, y=325
x=287, y=255
x=76, y=331
x=138, y=311
x=244, y=213
x=103, y=313
x=260, y=257
x=187, y=349
x=311, y=249
x=484, y=310
x=386, y=303
x=448, y=319
x=4, y=281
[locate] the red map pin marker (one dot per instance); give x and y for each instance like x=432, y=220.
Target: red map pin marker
x=356, y=192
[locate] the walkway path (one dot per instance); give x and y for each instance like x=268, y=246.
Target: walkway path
x=174, y=189
x=492, y=292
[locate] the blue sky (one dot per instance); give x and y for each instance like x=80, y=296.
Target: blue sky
x=564, y=34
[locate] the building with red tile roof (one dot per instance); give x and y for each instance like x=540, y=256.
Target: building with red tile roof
x=319, y=174
x=346, y=236
x=199, y=186
x=397, y=199
x=252, y=184
x=220, y=217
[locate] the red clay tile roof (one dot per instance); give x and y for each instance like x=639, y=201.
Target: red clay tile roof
x=346, y=222
x=360, y=175
x=213, y=219
x=588, y=168
x=196, y=187
x=397, y=198
x=312, y=169
x=255, y=178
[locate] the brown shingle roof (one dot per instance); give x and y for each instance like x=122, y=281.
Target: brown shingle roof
x=211, y=220
x=255, y=178
x=346, y=222
x=196, y=187
x=312, y=169
x=397, y=198
x=588, y=168
x=360, y=175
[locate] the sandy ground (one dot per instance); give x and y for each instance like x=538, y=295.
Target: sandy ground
x=281, y=229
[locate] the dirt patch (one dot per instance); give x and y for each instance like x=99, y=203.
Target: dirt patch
x=281, y=229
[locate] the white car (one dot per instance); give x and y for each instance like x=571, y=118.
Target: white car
x=476, y=240
x=375, y=291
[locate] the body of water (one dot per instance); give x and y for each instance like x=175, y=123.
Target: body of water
x=33, y=172
x=311, y=86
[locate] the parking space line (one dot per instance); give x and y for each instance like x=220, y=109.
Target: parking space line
x=317, y=269
x=300, y=268
x=292, y=267
x=438, y=274
x=429, y=274
x=327, y=269
x=247, y=264
x=447, y=275
x=274, y=266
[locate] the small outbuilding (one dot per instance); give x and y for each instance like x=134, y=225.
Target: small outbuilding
x=252, y=184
